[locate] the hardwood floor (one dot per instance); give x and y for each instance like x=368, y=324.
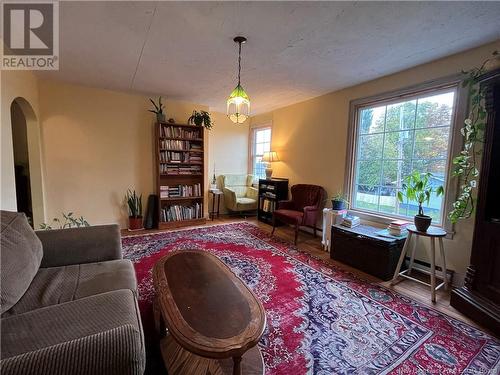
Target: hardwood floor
x=306, y=242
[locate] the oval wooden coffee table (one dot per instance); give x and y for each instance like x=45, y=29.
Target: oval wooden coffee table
x=207, y=316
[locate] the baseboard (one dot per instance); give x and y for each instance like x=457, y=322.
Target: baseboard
x=457, y=279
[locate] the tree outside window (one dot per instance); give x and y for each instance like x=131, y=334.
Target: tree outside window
x=395, y=139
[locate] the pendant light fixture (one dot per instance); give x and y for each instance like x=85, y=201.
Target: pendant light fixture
x=238, y=103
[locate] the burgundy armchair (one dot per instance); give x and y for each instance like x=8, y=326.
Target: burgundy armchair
x=302, y=210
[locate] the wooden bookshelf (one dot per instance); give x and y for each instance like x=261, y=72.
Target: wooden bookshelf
x=179, y=165
x=270, y=193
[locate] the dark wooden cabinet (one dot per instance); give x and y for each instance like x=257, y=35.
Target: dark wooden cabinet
x=479, y=298
x=361, y=248
x=270, y=193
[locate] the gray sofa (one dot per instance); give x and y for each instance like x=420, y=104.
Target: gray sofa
x=68, y=302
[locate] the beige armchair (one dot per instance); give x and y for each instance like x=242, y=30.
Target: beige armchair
x=239, y=194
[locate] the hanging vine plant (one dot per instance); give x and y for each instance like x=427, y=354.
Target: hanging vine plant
x=465, y=164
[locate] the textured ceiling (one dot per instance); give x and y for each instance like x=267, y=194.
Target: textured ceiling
x=295, y=50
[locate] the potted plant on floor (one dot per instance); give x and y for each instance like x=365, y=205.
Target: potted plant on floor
x=417, y=187
x=201, y=118
x=158, y=110
x=134, y=203
x=339, y=202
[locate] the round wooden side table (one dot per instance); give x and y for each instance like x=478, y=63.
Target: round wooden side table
x=432, y=233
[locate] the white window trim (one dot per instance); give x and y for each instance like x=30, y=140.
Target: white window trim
x=455, y=142
x=251, y=144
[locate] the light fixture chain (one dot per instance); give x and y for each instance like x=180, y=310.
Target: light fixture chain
x=239, y=62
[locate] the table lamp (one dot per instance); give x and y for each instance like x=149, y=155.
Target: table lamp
x=270, y=157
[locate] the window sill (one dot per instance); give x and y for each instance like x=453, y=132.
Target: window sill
x=383, y=220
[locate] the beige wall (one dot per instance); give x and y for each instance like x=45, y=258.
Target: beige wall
x=23, y=86
x=228, y=148
x=97, y=144
x=311, y=136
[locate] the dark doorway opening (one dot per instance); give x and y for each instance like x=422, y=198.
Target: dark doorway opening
x=21, y=160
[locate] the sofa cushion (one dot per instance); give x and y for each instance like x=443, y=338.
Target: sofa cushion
x=20, y=257
x=101, y=334
x=62, y=284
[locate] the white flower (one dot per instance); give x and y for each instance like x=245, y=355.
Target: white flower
x=473, y=183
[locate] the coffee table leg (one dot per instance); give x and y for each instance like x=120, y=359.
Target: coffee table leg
x=237, y=366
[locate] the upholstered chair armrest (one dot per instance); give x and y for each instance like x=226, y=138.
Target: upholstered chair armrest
x=252, y=193
x=229, y=197
x=310, y=215
x=286, y=205
x=62, y=247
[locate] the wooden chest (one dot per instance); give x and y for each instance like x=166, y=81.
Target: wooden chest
x=362, y=248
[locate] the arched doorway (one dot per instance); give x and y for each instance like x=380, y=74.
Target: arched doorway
x=27, y=163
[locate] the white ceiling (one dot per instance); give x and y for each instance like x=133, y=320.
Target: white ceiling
x=295, y=50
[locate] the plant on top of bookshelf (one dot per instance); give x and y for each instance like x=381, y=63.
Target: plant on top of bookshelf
x=68, y=222
x=201, y=118
x=339, y=201
x=158, y=110
x=134, y=203
x=417, y=187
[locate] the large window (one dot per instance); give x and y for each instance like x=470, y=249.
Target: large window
x=392, y=139
x=260, y=143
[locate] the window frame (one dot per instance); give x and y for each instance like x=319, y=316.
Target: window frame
x=252, y=145
x=455, y=141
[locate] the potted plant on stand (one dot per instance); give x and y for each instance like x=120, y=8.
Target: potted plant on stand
x=339, y=202
x=158, y=110
x=134, y=203
x=417, y=187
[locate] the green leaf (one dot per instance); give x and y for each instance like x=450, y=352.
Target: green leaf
x=400, y=196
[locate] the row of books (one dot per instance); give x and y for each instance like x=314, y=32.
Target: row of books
x=172, y=169
x=177, y=191
x=178, y=212
x=269, y=195
x=167, y=131
x=267, y=205
x=179, y=157
x=267, y=187
x=173, y=144
x=351, y=221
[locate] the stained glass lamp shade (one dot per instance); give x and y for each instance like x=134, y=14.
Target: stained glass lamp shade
x=238, y=105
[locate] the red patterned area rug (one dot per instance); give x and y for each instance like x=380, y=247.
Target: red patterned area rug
x=321, y=319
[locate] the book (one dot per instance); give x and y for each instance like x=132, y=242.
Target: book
x=385, y=233
x=351, y=221
x=397, y=228
x=399, y=223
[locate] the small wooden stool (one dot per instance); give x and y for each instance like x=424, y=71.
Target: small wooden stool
x=432, y=233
